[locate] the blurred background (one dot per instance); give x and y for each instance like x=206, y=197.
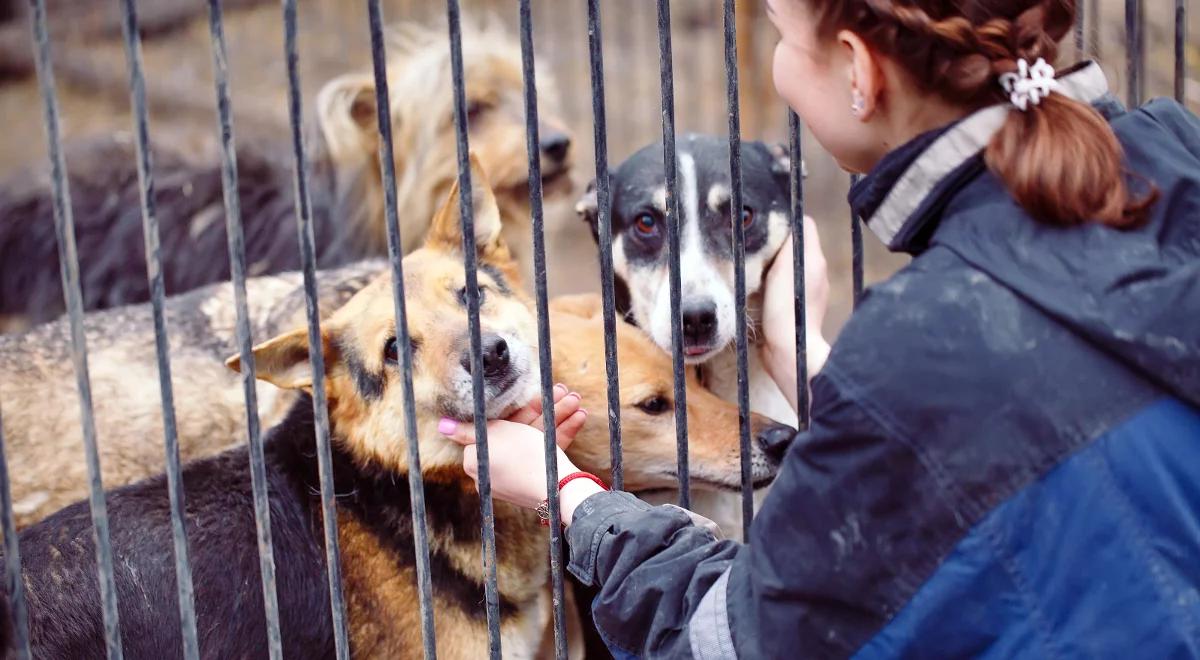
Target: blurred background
x=93, y=89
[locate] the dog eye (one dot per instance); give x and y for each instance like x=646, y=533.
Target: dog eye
x=462, y=295
x=653, y=406
x=475, y=109
x=391, y=348
x=647, y=224
x=747, y=216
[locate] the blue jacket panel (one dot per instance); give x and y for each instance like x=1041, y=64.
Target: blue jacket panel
x=1080, y=564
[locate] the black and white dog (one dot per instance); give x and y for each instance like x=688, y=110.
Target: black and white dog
x=641, y=260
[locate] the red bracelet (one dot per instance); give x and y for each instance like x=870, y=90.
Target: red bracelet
x=543, y=509
x=581, y=475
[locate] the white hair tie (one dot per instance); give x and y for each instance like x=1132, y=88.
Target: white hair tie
x=1029, y=84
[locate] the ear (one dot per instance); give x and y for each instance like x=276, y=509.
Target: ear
x=588, y=208
x=282, y=361
x=781, y=164
x=445, y=233
x=781, y=161
x=865, y=76
x=346, y=113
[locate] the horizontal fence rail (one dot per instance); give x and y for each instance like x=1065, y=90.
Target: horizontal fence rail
x=1086, y=41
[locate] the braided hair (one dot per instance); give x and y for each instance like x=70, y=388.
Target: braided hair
x=1059, y=160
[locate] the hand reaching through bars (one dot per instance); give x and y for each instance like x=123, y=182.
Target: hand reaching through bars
x=779, y=318
x=518, y=455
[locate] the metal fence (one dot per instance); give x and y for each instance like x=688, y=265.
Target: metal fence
x=64, y=227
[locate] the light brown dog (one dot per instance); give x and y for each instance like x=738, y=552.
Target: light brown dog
x=423, y=132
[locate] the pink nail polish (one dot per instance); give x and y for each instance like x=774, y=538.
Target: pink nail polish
x=576, y=395
x=447, y=426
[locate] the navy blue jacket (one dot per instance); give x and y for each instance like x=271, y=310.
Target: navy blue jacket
x=1004, y=459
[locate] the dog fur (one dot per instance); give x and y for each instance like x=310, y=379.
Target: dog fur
x=345, y=183
x=369, y=467
x=641, y=265
x=367, y=429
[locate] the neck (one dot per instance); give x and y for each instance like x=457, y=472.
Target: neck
x=380, y=502
x=908, y=117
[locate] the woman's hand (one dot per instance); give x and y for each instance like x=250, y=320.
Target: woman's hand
x=516, y=449
x=779, y=315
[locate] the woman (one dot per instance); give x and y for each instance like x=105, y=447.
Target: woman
x=1004, y=456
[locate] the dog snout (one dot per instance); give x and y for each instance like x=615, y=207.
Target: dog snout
x=699, y=324
x=555, y=145
x=775, y=440
x=496, y=357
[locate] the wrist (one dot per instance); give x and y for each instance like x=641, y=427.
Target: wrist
x=572, y=495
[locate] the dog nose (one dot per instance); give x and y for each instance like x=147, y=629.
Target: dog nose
x=495, y=356
x=555, y=145
x=775, y=440
x=699, y=323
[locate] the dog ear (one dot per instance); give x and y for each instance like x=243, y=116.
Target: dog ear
x=346, y=114
x=282, y=361
x=781, y=162
x=445, y=233
x=588, y=209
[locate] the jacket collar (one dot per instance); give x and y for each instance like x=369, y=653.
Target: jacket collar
x=901, y=198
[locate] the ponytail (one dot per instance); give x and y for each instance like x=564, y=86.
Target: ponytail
x=1059, y=159
x=1062, y=163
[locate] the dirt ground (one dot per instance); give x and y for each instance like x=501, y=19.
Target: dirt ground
x=90, y=67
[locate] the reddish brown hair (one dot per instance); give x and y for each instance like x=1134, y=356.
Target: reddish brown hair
x=1060, y=160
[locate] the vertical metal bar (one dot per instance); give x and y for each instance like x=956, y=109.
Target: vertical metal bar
x=796, y=179
x=1180, y=50
x=739, y=260
x=532, y=142
x=669, y=163
x=416, y=485
x=491, y=595
x=856, y=248
x=14, y=585
x=604, y=216
x=68, y=259
x=154, y=273
x=308, y=261
x=237, y=267
x=1133, y=56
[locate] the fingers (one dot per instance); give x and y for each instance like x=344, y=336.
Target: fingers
x=568, y=409
x=471, y=462
x=461, y=432
x=531, y=414
x=569, y=405
x=567, y=429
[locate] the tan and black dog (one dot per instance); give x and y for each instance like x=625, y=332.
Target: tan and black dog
x=374, y=524
x=345, y=183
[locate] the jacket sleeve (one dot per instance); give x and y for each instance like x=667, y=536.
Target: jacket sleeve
x=811, y=582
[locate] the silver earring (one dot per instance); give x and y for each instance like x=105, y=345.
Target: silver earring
x=858, y=103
